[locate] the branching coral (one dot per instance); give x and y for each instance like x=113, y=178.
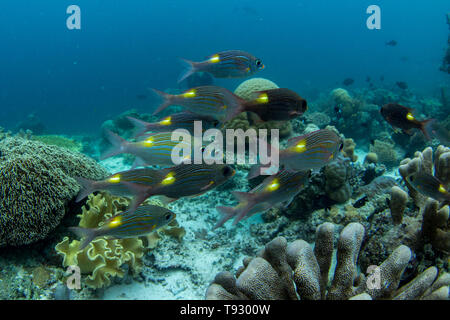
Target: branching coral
x=36, y=186
x=269, y=275
x=104, y=258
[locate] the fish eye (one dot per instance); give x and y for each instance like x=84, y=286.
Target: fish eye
x=168, y=215
x=215, y=123
x=259, y=63
x=203, y=149
x=226, y=171
x=341, y=146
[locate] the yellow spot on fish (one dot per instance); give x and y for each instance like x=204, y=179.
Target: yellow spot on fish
x=224, y=106
x=153, y=227
x=148, y=142
x=166, y=121
x=114, y=179
x=214, y=59
x=442, y=189
x=117, y=221
x=301, y=146
x=169, y=179
x=274, y=185
x=410, y=117
x=247, y=70
x=189, y=94
x=263, y=98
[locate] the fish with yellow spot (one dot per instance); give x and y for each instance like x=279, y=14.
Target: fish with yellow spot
x=275, y=191
x=310, y=151
x=181, y=120
x=154, y=149
x=186, y=180
x=127, y=224
x=401, y=117
x=213, y=101
x=279, y=104
x=225, y=64
x=123, y=184
x=430, y=186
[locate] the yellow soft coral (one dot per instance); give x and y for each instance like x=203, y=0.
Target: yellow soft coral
x=103, y=257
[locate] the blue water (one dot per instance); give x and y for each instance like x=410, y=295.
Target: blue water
x=76, y=79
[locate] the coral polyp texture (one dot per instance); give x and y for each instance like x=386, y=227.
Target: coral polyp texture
x=36, y=186
x=297, y=271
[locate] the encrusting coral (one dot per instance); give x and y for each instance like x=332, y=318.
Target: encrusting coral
x=36, y=186
x=296, y=271
x=104, y=258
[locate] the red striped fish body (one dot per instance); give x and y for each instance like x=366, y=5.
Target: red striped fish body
x=275, y=191
x=277, y=104
x=216, y=102
x=128, y=224
x=226, y=64
x=311, y=151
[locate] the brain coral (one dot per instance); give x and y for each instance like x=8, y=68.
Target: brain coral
x=36, y=186
x=246, y=88
x=103, y=258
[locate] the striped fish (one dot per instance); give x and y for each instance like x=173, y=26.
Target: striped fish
x=155, y=149
x=131, y=183
x=127, y=224
x=430, y=186
x=310, y=151
x=277, y=104
x=225, y=64
x=192, y=179
x=181, y=120
x=275, y=191
x=216, y=102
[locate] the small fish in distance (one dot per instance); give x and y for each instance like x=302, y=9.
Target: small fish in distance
x=275, y=191
x=127, y=224
x=225, y=64
x=348, y=82
x=402, y=118
x=391, y=43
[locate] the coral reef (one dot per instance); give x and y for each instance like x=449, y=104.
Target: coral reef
x=247, y=120
x=59, y=141
x=385, y=152
x=349, y=149
x=105, y=258
x=36, y=186
x=296, y=271
x=337, y=186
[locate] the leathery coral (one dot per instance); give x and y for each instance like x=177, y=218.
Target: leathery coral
x=297, y=271
x=103, y=258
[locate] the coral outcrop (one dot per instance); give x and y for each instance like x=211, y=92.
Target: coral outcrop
x=36, y=186
x=297, y=271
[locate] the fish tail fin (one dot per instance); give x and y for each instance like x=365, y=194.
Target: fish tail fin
x=118, y=144
x=87, y=234
x=140, y=127
x=167, y=100
x=87, y=187
x=190, y=69
x=425, y=127
x=227, y=214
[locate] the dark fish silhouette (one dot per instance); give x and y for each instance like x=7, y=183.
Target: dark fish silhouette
x=430, y=186
x=348, y=82
x=391, y=43
x=361, y=202
x=402, y=118
x=402, y=85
